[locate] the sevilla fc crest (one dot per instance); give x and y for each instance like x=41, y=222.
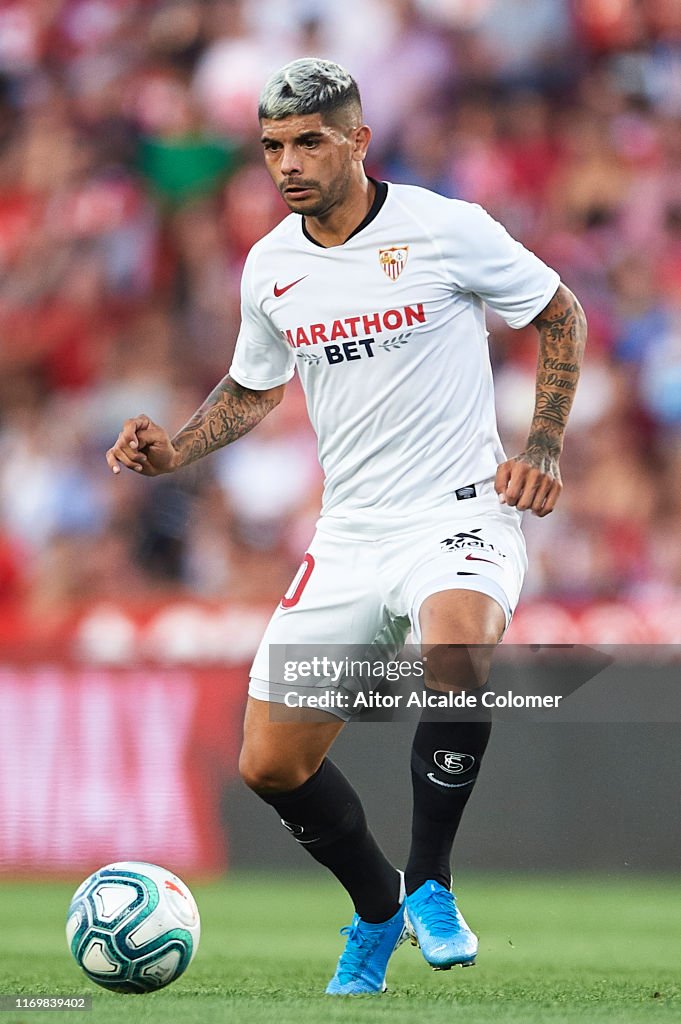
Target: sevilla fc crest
x=393, y=260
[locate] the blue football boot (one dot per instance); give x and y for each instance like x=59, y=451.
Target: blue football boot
x=362, y=965
x=437, y=926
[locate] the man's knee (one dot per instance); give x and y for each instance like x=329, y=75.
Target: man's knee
x=458, y=666
x=267, y=774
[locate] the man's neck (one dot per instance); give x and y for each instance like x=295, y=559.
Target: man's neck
x=338, y=224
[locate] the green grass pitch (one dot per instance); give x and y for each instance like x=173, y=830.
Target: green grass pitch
x=593, y=950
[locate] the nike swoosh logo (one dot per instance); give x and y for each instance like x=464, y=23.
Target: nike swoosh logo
x=476, y=558
x=280, y=291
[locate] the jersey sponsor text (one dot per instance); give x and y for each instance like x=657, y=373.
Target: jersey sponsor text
x=356, y=326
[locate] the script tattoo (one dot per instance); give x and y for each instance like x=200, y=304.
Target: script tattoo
x=228, y=413
x=555, y=364
x=562, y=335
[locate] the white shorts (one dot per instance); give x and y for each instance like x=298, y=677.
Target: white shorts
x=357, y=586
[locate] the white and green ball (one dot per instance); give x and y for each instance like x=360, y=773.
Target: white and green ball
x=133, y=927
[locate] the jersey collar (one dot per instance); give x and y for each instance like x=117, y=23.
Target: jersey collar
x=379, y=198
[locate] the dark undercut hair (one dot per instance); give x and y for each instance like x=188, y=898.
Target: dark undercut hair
x=311, y=86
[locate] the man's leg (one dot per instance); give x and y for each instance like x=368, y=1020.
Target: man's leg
x=460, y=630
x=285, y=763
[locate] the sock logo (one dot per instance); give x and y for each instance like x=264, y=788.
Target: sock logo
x=297, y=831
x=452, y=763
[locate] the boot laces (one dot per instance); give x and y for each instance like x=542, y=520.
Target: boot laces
x=359, y=948
x=441, y=911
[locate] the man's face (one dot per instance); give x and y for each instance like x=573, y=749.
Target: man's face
x=310, y=161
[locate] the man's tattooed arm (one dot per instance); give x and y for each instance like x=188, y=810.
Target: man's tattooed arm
x=228, y=413
x=562, y=336
x=531, y=480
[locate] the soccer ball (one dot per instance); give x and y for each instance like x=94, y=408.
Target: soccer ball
x=133, y=927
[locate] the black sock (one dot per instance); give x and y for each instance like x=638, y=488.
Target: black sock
x=445, y=760
x=326, y=817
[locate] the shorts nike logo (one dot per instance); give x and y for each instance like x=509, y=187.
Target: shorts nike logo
x=476, y=558
x=280, y=291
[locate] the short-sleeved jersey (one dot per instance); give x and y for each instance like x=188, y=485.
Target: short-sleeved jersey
x=387, y=333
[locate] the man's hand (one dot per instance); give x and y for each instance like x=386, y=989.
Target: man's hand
x=144, y=447
x=531, y=481
x=228, y=413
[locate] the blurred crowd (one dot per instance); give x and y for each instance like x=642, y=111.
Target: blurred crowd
x=132, y=186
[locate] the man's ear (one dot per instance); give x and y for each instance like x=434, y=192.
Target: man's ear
x=362, y=138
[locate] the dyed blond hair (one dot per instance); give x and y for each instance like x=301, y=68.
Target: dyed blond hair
x=310, y=85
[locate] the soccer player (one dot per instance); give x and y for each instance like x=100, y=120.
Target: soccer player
x=374, y=292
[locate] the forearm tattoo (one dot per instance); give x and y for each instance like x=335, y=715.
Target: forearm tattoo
x=228, y=413
x=562, y=336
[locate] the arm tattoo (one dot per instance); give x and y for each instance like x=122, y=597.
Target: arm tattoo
x=562, y=335
x=228, y=413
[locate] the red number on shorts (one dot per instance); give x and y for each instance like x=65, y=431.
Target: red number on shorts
x=298, y=584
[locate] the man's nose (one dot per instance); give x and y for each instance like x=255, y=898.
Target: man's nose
x=290, y=161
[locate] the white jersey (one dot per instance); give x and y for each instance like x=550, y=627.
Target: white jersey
x=387, y=332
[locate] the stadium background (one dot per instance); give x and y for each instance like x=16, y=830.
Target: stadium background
x=131, y=188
